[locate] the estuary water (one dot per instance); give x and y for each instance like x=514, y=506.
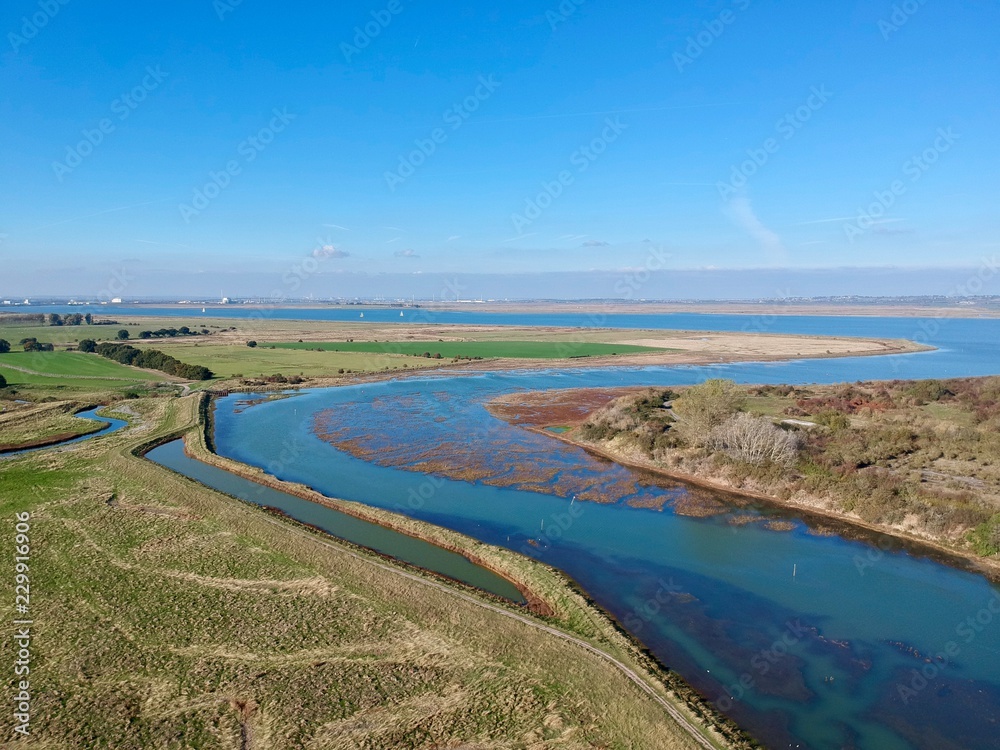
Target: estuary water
x=113, y=425
x=805, y=634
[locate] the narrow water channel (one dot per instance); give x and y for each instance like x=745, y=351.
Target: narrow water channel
x=341, y=525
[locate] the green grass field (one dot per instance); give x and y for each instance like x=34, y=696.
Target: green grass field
x=484, y=349
x=70, y=374
x=227, y=360
x=70, y=335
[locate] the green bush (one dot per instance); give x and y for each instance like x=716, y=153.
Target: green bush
x=702, y=408
x=985, y=538
x=835, y=420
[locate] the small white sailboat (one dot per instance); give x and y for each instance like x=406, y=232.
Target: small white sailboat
x=401, y=313
x=362, y=315
x=203, y=309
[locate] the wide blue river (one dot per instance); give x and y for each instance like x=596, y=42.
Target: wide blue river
x=806, y=634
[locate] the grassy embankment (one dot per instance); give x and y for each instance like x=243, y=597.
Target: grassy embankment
x=921, y=458
x=167, y=614
x=34, y=425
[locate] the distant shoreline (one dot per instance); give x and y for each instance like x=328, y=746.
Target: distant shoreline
x=589, y=307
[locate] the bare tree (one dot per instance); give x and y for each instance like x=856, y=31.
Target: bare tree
x=755, y=440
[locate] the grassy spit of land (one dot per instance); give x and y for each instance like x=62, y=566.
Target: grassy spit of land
x=34, y=425
x=917, y=459
x=170, y=615
x=324, y=349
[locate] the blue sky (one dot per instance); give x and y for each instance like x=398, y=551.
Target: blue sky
x=526, y=137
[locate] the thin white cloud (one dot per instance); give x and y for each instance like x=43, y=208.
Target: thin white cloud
x=394, y=239
x=337, y=226
x=888, y=231
x=101, y=213
x=519, y=237
x=167, y=244
x=825, y=221
x=329, y=251
x=407, y=253
x=596, y=243
x=454, y=237
x=604, y=112
x=742, y=214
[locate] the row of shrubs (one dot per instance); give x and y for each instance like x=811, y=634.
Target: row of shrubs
x=152, y=359
x=169, y=333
